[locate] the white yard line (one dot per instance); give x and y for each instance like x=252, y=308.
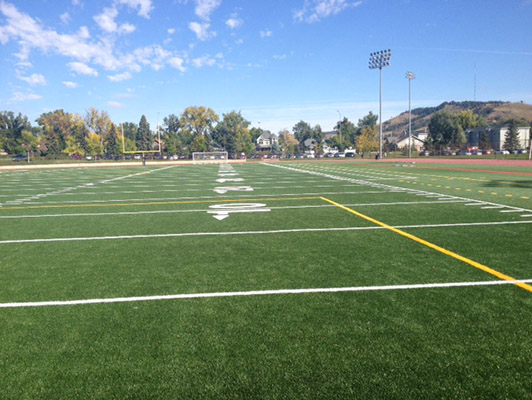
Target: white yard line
x=277, y=231
x=112, y=214
x=391, y=188
x=84, y=185
x=258, y=293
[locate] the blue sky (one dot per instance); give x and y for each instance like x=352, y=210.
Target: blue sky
x=276, y=61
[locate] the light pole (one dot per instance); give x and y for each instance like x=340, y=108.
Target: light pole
x=410, y=76
x=378, y=60
x=340, y=127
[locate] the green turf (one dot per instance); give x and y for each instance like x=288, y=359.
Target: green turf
x=461, y=342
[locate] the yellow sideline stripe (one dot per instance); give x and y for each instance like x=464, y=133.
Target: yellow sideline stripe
x=160, y=203
x=433, y=246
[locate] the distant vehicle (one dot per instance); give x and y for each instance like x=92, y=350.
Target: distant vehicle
x=502, y=152
x=137, y=157
x=20, y=157
x=487, y=152
x=523, y=151
x=88, y=158
x=339, y=155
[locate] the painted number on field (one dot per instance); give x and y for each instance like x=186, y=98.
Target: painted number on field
x=222, y=211
x=225, y=189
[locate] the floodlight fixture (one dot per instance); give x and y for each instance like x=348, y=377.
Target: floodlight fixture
x=410, y=76
x=380, y=59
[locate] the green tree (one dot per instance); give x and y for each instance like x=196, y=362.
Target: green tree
x=484, y=142
x=30, y=142
x=368, y=120
x=302, y=131
x=11, y=128
x=199, y=121
x=112, y=145
x=199, y=144
x=94, y=144
x=348, y=132
x=288, y=142
x=143, y=139
x=232, y=133
x=511, y=138
x=368, y=140
x=467, y=119
x=445, y=131
x=74, y=147
x=57, y=126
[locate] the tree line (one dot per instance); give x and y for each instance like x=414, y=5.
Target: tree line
x=60, y=133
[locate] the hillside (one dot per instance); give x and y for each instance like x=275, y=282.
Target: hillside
x=494, y=111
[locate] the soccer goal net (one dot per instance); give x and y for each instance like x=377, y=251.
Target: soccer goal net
x=203, y=157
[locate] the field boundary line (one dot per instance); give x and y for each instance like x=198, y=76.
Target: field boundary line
x=272, y=232
x=57, y=303
x=433, y=246
x=391, y=187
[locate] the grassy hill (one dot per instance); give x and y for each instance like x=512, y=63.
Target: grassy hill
x=495, y=113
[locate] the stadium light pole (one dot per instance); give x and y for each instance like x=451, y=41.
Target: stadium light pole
x=380, y=59
x=410, y=76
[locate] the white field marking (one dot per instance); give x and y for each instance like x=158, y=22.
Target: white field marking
x=225, y=189
x=89, y=184
x=511, y=211
x=390, y=187
x=173, y=199
x=473, y=204
x=259, y=293
x=222, y=211
x=272, y=232
x=96, y=214
x=223, y=180
x=526, y=215
x=491, y=207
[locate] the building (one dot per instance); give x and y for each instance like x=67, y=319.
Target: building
x=418, y=140
x=496, y=135
x=267, y=140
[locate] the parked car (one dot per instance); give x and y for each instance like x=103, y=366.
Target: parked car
x=20, y=157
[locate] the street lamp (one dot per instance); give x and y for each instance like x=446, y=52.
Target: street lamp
x=410, y=76
x=378, y=60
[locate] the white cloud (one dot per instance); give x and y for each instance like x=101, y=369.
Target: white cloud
x=33, y=79
x=106, y=20
x=266, y=33
x=79, y=48
x=18, y=97
x=144, y=6
x=70, y=85
x=234, y=22
x=206, y=60
x=65, y=18
x=126, y=28
x=201, y=30
x=82, y=69
x=316, y=10
x=279, y=57
x=170, y=31
x=115, y=104
x=177, y=63
x=204, y=8
x=119, y=77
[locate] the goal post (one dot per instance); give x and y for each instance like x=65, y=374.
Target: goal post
x=209, y=157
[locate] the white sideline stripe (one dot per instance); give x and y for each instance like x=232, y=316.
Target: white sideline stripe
x=278, y=231
x=390, y=188
x=406, y=203
x=511, y=211
x=526, y=215
x=258, y=293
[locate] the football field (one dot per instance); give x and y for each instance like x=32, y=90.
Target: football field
x=307, y=280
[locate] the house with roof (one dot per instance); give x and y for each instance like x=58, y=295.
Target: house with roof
x=266, y=141
x=418, y=140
